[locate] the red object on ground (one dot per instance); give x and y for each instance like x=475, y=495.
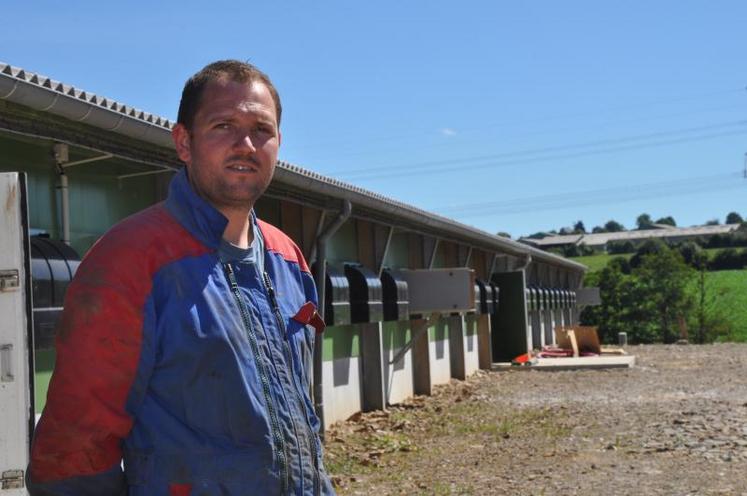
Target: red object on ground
x=550, y=352
x=522, y=358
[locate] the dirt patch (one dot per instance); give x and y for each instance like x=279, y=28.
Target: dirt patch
x=674, y=424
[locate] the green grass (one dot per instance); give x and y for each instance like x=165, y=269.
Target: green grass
x=44, y=363
x=730, y=301
x=729, y=286
x=598, y=261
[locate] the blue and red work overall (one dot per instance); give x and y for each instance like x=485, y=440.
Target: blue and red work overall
x=192, y=370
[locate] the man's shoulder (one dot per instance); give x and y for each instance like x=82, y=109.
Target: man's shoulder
x=278, y=242
x=146, y=240
x=141, y=229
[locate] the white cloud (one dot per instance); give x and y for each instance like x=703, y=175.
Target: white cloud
x=448, y=132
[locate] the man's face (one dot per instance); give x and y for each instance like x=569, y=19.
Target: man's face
x=231, y=150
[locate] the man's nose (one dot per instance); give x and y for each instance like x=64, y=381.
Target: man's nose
x=244, y=142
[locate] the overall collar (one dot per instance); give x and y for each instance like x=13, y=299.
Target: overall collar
x=196, y=215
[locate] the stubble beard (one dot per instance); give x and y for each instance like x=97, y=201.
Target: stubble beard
x=225, y=196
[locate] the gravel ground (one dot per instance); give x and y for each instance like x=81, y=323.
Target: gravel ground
x=675, y=424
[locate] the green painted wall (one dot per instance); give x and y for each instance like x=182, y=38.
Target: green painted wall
x=43, y=365
x=98, y=199
x=97, y=202
x=344, y=341
x=395, y=335
x=341, y=342
x=439, y=331
x=397, y=256
x=470, y=324
x=268, y=209
x=343, y=245
x=440, y=260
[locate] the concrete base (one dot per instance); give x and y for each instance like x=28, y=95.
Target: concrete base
x=471, y=345
x=342, y=389
x=484, y=347
x=597, y=362
x=457, y=346
x=431, y=358
x=372, y=348
x=397, y=377
x=440, y=362
x=571, y=363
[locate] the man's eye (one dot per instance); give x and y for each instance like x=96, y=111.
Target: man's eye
x=223, y=125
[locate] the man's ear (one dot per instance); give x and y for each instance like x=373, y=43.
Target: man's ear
x=180, y=135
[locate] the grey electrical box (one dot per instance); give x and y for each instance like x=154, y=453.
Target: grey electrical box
x=588, y=297
x=441, y=290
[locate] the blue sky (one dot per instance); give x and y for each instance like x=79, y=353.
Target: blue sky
x=508, y=116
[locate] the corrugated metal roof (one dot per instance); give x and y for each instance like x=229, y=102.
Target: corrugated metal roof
x=48, y=95
x=66, y=90
x=599, y=239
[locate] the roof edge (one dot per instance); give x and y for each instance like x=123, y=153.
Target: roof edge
x=47, y=95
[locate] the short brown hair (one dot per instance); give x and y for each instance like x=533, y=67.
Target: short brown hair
x=234, y=70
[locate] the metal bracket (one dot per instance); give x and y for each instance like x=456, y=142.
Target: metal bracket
x=9, y=280
x=12, y=479
x=431, y=320
x=386, y=250
x=105, y=156
x=146, y=173
x=432, y=260
x=468, y=257
x=6, y=369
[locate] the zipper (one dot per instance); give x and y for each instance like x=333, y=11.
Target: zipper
x=277, y=437
x=281, y=324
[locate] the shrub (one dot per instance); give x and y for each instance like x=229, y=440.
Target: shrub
x=693, y=254
x=617, y=247
x=648, y=302
x=648, y=247
x=737, y=238
x=728, y=259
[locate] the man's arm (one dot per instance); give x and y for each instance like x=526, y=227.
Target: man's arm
x=111, y=482
x=77, y=444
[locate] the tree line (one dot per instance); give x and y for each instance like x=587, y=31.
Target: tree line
x=642, y=222
x=661, y=294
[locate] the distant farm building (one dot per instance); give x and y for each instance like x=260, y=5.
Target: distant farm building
x=600, y=241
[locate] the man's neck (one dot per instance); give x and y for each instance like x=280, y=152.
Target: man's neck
x=239, y=231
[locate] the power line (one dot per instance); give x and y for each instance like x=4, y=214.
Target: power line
x=603, y=196
x=338, y=150
x=498, y=125
x=450, y=167
x=536, y=151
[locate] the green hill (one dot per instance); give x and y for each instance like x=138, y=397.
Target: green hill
x=728, y=286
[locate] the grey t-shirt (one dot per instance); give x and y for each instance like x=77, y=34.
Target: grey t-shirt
x=253, y=255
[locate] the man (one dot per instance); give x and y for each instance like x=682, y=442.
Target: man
x=187, y=330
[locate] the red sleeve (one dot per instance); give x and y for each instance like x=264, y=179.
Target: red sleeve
x=277, y=241
x=98, y=347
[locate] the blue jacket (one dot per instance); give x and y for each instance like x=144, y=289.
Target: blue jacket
x=191, y=370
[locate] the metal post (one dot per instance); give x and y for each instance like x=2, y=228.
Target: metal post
x=386, y=250
x=321, y=287
x=65, y=207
